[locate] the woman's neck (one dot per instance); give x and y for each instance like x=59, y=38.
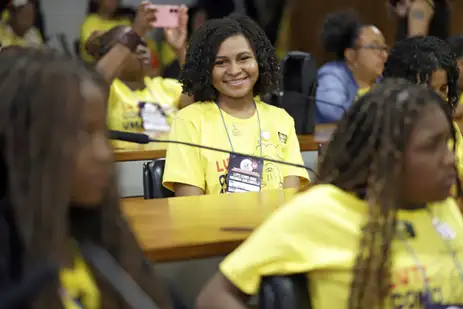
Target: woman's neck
x=362, y=80
x=16, y=29
x=105, y=14
x=133, y=85
x=238, y=107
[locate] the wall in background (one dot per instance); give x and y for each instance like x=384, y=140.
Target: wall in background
x=66, y=16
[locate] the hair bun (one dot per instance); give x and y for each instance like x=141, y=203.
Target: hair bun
x=340, y=29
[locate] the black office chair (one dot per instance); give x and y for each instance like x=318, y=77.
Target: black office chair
x=284, y=292
x=298, y=83
x=153, y=172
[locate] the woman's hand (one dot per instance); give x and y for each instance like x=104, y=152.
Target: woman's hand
x=176, y=37
x=145, y=17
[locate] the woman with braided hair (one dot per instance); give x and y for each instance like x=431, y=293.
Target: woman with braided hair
x=57, y=184
x=378, y=229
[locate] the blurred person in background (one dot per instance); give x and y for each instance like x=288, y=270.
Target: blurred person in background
x=138, y=102
x=58, y=185
x=456, y=42
x=422, y=17
x=17, y=25
x=361, y=51
x=103, y=15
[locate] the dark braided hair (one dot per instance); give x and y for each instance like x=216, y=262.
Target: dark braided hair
x=204, y=44
x=416, y=58
x=41, y=120
x=366, y=156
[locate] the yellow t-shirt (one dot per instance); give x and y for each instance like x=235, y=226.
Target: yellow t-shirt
x=201, y=123
x=78, y=289
x=92, y=23
x=32, y=38
x=319, y=232
x=361, y=92
x=136, y=111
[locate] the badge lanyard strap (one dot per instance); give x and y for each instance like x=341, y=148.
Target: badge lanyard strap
x=228, y=134
x=435, y=223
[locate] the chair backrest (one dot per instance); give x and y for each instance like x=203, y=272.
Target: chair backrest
x=153, y=172
x=284, y=292
x=298, y=83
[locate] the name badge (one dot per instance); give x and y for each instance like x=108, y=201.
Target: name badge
x=244, y=174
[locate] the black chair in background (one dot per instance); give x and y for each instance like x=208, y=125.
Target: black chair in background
x=284, y=292
x=153, y=172
x=298, y=84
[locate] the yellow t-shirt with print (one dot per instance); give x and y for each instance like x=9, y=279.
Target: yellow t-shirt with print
x=78, y=289
x=95, y=22
x=32, y=38
x=318, y=233
x=138, y=111
x=201, y=123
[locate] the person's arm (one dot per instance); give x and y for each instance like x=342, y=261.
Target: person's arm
x=219, y=290
x=182, y=189
x=281, y=245
x=177, y=37
x=419, y=17
x=184, y=172
x=110, y=65
x=331, y=98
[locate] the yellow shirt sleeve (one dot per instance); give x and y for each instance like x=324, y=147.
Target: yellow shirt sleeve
x=282, y=245
x=293, y=155
x=183, y=163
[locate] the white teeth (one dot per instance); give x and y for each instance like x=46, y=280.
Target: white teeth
x=236, y=82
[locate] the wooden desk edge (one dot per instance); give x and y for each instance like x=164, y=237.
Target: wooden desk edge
x=142, y=155
x=190, y=252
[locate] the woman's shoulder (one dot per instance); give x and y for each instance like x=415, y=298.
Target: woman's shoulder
x=196, y=112
x=333, y=67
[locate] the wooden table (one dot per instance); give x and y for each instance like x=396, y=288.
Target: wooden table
x=196, y=227
x=134, y=152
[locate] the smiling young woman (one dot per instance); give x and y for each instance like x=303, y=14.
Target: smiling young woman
x=229, y=64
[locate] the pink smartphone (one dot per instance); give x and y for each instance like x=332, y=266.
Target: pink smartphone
x=167, y=16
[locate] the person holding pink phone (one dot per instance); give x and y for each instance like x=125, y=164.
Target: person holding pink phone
x=137, y=101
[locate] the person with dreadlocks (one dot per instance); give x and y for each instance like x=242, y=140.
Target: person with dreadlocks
x=378, y=228
x=229, y=64
x=430, y=61
x=57, y=184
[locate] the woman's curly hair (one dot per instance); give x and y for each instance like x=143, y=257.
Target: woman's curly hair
x=416, y=58
x=196, y=75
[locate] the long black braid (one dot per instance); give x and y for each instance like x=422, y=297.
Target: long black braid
x=366, y=156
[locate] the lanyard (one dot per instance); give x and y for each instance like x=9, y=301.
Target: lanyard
x=228, y=134
x=441, y=229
